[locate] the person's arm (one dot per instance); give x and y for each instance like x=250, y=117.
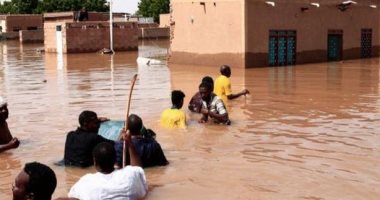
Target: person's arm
x=204, y=118
x=14, y=143
x=234, y=96
x=133, y=156
x=219, y=117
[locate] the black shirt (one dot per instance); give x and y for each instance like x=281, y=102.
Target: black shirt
x=148, y=149
x=79, y=146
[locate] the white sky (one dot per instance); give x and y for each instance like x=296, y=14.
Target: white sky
x=129, y=6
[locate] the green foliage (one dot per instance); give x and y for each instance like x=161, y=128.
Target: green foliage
x=153, y=8
x=43, y=6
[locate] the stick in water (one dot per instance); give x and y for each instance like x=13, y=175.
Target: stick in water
x=126, y=117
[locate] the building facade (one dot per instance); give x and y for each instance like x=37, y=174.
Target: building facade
x=80, y=37
x=15, y=23
x=255, y=33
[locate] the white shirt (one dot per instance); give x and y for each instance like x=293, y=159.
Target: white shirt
x=128, y=183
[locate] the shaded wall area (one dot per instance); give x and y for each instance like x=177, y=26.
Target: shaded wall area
x=208, y=32
x=312, y=25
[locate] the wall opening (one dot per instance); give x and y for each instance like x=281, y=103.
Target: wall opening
x=366, y=43
x=335, y=45
x=282, y=47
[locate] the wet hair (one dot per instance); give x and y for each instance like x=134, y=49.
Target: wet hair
x=206, y=85
x=177, y=97
x=86, y=117
x=134, y=124
x=224, y=69
x=209, y=80
x=104, y=156
x=42, y=180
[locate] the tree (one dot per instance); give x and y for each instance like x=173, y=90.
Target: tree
x=43, y=6
x=25, y=6
x=153, y=8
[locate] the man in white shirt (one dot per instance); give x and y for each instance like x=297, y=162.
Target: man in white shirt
x=128, y=183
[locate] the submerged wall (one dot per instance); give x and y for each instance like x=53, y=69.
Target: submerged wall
x=31, y=36
x=78, y=37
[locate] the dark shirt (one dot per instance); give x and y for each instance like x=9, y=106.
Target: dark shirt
x=148, y=149
x=79, y=146
x=5, y=134
x=195, y=103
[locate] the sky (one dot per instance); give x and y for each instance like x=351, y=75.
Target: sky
x=129, y=6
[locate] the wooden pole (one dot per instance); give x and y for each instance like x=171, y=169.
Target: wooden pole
x=126, y=117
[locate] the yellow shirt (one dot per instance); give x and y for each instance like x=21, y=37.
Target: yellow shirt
x=222, y=88
x=173, y=118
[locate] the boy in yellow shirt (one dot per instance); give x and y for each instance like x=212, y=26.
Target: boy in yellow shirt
x=223, y=85
x=174, y=117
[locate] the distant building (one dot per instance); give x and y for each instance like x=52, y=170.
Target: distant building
x=253, y=33
x=15, y=23
x=30, y=25
x=80, y=37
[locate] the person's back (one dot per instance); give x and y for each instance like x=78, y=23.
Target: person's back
x=174, y=117
x=81, y=142
x=128, y=183
x=124, y=184
x=223, y=86
x=148, y=149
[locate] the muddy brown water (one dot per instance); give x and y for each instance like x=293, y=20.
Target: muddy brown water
x=306, y=132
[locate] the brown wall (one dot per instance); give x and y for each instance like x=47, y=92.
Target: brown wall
x=31, y=36
x=164, y=20
x=146, y=33
x=209, y=34
x=69, y=16
x=312, y=29
x=91, y=36
x=22, y=22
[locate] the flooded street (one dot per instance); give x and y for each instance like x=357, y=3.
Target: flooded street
x=307, y=132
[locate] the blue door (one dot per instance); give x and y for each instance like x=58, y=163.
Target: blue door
x=334, y=47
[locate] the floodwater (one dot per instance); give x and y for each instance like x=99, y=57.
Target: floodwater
x=307, y=132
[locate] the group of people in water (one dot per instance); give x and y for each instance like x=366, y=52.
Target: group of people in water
x=85, y=147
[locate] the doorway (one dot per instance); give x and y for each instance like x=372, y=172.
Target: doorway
x=335, y=45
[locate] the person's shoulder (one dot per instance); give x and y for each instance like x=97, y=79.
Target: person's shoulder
x=131, y=170
x=88, y=178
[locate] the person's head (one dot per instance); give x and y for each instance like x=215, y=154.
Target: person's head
x=104, y=157
x=225, y=70
x=177, y=98
x=135, y=124
x=36, y=181
x=88, y=120
x=3, y=109
x=208, y=80
x=205, y=90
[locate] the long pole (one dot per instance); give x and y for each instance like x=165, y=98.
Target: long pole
x=126, y=117
x=111, y=27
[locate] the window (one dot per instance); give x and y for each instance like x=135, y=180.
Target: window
x=282, y=47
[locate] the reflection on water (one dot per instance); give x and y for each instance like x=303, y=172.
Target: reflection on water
x=306, y=132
